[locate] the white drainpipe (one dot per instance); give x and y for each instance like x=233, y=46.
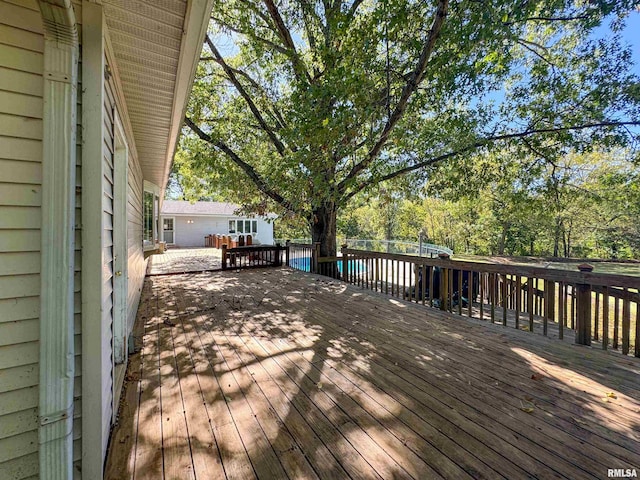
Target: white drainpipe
x=57, y=247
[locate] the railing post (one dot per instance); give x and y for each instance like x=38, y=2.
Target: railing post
x=286, y=252
x=345, y=263
x=224, y=256
x=315, y=254
x=583, y=309
x=444, y=282
x=278, y=254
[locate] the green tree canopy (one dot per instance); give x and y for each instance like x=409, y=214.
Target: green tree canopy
x=300, y=105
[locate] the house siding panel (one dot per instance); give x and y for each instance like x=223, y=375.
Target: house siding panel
x=107, y=249
x=136, y=262
x=21, y=129
x=192, y=234
x=21, y=88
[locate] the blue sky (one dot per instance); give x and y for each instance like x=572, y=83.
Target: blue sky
x=630, y=34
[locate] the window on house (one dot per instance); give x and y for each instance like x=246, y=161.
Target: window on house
x=245, y=227
x=156, y=216
x=147, y=223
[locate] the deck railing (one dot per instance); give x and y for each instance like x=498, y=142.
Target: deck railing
x=253, y=256
x=599, y=307
x=306, y=257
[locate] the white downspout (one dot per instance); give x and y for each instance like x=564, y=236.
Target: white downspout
x=57, y=244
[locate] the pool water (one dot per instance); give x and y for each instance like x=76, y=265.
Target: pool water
x=304, y=264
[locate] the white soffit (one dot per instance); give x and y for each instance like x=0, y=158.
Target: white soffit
x=157, y=45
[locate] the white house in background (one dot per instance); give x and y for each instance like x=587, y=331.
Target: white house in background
x=185, y=224
x=92, y=99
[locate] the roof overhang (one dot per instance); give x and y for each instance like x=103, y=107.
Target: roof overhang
x=157, y=46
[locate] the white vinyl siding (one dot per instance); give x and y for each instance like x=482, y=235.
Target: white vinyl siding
x=107, y=246
x=21, y=109
x=137, y=263
x=190, y=230
x=21, y=89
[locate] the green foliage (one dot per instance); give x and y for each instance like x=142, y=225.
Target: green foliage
x=300, y=106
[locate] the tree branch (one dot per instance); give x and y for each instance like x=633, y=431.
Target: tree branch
x=526, y=44
x=354, y=7
x=478, y=144
x=286, y=38
x=254, y=109
x=246, y=168
x=410, y=87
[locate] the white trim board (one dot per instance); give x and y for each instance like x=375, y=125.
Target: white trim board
x=93, y=132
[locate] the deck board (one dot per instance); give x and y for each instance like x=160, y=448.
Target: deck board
x=281, y=374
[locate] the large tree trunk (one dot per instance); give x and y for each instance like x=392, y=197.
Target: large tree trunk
x=323, y=228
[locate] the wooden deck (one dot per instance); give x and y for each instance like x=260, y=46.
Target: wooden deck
x=184, y=260
x=279, y=374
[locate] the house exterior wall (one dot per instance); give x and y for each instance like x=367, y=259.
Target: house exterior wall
x=21, y=132
x=21, y=111
x=108, y=254
x=192, y=234
x=137, y=265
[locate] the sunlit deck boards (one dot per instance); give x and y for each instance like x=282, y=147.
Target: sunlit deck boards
x=184, y=260
x=276, y=374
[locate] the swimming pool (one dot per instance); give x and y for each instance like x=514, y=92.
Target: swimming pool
x=304, y=264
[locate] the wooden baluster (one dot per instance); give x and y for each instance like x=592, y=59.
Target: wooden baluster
x=573, y=306
x=530, y=302
x=450, y=288
x=616, y=322
x=626, y=322
x=546, y=313
x=565, y=303
x=504, y=299
x=224, y=256
x=492, y=296
x=518, y=289
x=596, y=318
x=605, y=318
x=422, y=283
x=386, y=276
x=444, y=286
x=482, y=278
x=404, y=275
x=470, y=297
x=431, y=275
x=636, y=350
x=393, y=276
x=561, y=310
x=459, y=292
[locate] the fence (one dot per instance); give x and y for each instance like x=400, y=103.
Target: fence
x=306, y=257
x=599, y=307
x=253, y=256
x=387, y=246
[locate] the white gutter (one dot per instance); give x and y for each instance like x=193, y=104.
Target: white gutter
x=57, y=247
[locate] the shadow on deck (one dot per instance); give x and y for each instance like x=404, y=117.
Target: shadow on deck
x=280, y=374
